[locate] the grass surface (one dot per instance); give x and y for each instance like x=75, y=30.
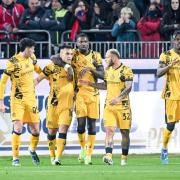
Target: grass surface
x=140, y=167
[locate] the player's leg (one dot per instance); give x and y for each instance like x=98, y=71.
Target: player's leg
x=125, y=145
x=52, y=125
x=34, y=139
x=61, y=142
x=92, y=116
x=110, y=125
x=91, y=125
x=51, y=137
x=124, y=124
x=64, y=121
x=109, y=144
x=81, y=113
x=166, y=137
x=172, y=115
x=82, y=137
x=16, y=141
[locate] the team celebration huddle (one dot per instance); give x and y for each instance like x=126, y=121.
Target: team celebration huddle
x=75, y=77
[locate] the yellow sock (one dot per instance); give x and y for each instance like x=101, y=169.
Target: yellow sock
x=52, y=147
x=166, y=137
x=82, y=140
x=109, y=154
x=52, y=144
x=123, y=157
x=90, y=144
x=16, y=142
x=60, y=143
x=33, y=142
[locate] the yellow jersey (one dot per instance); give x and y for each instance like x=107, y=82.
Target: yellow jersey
x=116, y=79
x=172, y=87
x=61, y=89
x=81, y=61
x=21, y=72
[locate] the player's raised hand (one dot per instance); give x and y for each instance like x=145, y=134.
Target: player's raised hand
x=70, y=73
x=115, y=101
x=84, y=71
x=2, y=107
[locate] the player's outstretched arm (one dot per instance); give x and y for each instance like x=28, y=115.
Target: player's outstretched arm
x=3, y=82
x=39, y=79
x=102, y=85
x=163, y=68
x=37, y=69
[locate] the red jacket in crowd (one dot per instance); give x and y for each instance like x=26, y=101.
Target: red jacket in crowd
x=9, y=19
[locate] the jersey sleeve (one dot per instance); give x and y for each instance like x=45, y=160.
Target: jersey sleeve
x=48, y=70
x=9, y=68
x=98, y=59
x=3, y=81
x=163, y=59
x=128, y=74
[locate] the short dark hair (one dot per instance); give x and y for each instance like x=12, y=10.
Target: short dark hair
x=65, y=46
x=82, y=35
x=26, y=42
x=177, y=32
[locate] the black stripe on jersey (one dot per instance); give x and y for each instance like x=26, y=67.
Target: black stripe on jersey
x=161, y=62
x=44, y=71
x=129, y=79
x=165, y=113
x=6, y=72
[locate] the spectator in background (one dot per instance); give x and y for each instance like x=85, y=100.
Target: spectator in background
x=80, y=19
x=23, y=2
x=46, y=4
x=121, y=31
x=101, y=19
x=55, y=20
x=141, y=6
x=119, y=4
x=10, y=13
x=159, y=5
x=68, y=4
x=171, y=20
x=149, y=28
x=30, y=20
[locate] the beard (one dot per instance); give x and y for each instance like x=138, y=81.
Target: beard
x=110, y=63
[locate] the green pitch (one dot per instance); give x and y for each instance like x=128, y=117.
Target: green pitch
x=140, y=167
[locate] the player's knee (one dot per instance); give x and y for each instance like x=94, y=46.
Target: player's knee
x=91, y=126
x=51, y=137
x=170, y=126
x=17, y=130
x=92, y=130
x=80, y=129
x=110, y=132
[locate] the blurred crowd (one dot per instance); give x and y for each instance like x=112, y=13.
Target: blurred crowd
x=128, y=20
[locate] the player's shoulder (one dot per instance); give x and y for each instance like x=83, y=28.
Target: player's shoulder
x=50, y=65
x=14, y=59
x=167, y=53
x=95, y=52
x=75, y=52
x=33, y=59
x=125, y=68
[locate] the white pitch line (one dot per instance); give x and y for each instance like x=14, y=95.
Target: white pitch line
x=102, y=172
